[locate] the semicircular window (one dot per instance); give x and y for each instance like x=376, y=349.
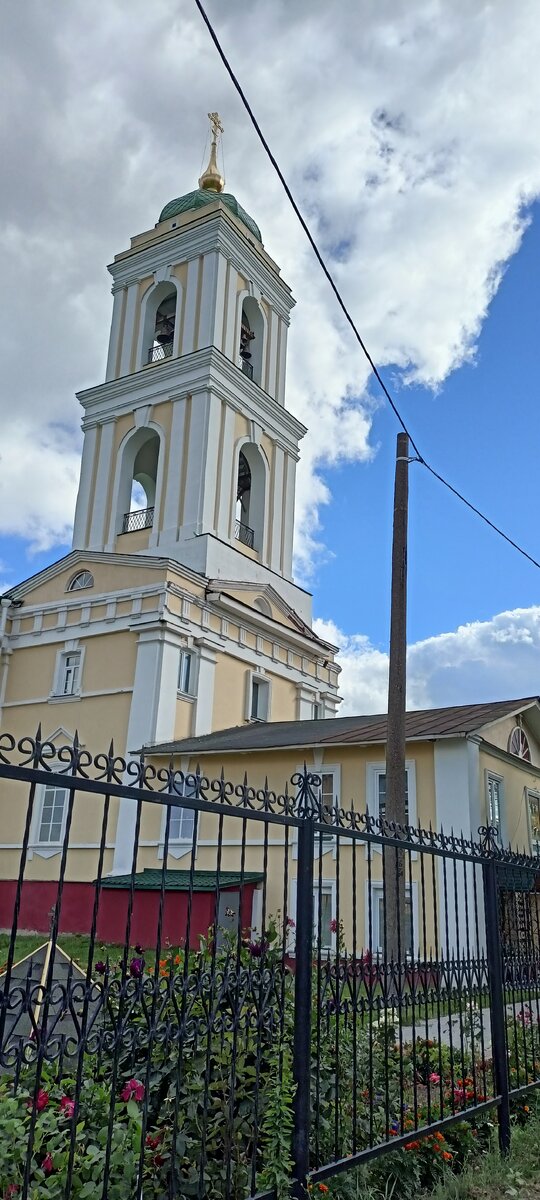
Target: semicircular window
x=518, y=744
x=83, y=579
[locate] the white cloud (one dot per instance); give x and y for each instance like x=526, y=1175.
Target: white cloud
x=485, y=660
x=408, y=132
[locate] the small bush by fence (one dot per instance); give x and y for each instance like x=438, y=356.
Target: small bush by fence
x=257, y=1024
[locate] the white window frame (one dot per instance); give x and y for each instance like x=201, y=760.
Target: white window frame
x=58, y=693
x=191, y=692
x=328, y=839
x=47, y=849
x=373, y=773
x=179, y=846
x=328, y=889
x=258, y=677
x=494, y=777
x=377, y=890
x=531, y=794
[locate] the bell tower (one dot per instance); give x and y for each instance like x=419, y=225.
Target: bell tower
x=189, y=451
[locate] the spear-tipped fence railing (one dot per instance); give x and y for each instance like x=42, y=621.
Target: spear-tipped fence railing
x=195, y=993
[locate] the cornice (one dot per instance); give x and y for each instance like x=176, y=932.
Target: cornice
x=207, y=369
x=218, y=231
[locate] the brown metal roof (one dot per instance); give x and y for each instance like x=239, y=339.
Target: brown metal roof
x=456, y=721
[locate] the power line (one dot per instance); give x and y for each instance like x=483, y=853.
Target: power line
x=341, y=302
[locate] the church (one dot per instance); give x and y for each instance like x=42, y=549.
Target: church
x=175, y=614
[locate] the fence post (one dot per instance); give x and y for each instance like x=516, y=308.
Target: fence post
x=496, y=991
x=302, y=998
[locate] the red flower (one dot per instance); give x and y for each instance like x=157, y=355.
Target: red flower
x=412, y=1146
x=133, y=1090
x=11, y=1190
x=152, y=1141
x=333, y=925
x=41, y=1101
x=67, y=1107
x=47, y=1164
x=158, y=1160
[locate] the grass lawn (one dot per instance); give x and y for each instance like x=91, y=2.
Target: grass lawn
x=491, y=1177
x=76, y=946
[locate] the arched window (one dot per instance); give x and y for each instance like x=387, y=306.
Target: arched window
x=83, y=579
x=138, y=481
x=252, y=339
x=250, y=489
x=518, y=744
x=159, y=323
x=262, y=605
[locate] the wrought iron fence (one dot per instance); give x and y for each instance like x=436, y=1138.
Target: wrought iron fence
x=249, y=1003
x=244, y=534
x=140, y=518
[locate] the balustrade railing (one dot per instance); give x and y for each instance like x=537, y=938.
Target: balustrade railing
x=244, y=534
x=141, y=518
x=156, y=353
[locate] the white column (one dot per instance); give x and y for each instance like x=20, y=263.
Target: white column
x=216, y=333
x=115, y=333
x=196, y=464
x=190, y=308
x=204, y=707
x=174, y=471
x=85, y=483
x=305, y=699
x=100, y=514
x=280, y=394
x=152, y=717
x=288, y=516
x=453, y=815
x=227, y=482
x=271, y=356
x=129, y=327
x=208, y=300
x=277, y=509
x=230, y=349
x=208, y=492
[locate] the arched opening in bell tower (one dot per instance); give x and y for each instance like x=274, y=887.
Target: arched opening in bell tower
x=138, y=481
x=251, y=339
x=160, y=322
x=250, y=491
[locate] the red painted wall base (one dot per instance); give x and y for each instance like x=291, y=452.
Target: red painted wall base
x=38, y=899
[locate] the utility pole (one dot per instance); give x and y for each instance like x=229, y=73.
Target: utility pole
x=394, y=860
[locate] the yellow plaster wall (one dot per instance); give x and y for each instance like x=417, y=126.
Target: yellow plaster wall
x=499, y=734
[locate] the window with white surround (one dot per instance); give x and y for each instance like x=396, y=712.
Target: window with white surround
x=494, y=801
x=258, y=707
x=52, y=818
x=181, y=827
x=376, y=791
x=329, y=795
x=68, y=672
x=71, y=673
x=533, y=809
x=186, y=673
x=324, y=915
x=375, y=936
x=83, y=579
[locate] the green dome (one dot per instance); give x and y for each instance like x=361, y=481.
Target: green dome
x=199, y=198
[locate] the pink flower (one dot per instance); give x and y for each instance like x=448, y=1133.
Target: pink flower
x=290, y=923
x=434, y=1078
x=67, y=1107
x=133, y=1090
x=47, y=1164
x=11, y=1190
x=42, y=1100
x=333, y=925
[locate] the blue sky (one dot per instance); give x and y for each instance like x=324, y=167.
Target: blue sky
x=482, y=431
